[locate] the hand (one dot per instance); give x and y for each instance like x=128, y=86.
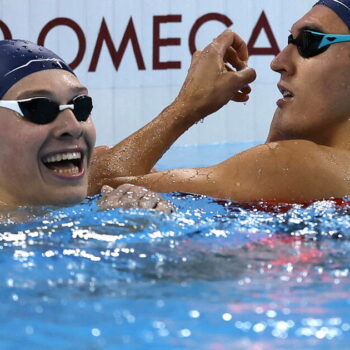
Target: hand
x=131, y=196
x=217, y=74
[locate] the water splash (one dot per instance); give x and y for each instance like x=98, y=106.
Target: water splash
x=214, y=275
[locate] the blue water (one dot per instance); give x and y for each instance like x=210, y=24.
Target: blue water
x=215, y=275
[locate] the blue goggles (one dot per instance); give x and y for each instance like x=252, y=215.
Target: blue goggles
x=310, y=43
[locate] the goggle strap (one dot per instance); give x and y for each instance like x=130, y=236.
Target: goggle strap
x=12, y=105
x=332, y=39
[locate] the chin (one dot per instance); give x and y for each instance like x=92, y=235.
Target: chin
x=64, y=198
x=284, y=129
x=68, y=201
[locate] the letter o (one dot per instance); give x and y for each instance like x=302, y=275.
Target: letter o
x=213, y=16
x=63, y=21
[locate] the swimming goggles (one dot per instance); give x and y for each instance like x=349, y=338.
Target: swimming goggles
x=41, y=110
x=310, y=43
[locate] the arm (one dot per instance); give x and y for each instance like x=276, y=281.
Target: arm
x=290, y=171
x=209, y=85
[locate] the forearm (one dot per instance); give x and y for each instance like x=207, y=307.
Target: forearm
x=198, y=180
x=139, y=152
x=209, y=85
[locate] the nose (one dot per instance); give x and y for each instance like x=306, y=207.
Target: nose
x=284, y=62
x=67, y=126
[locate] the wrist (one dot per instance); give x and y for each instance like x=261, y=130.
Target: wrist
x=186, y=112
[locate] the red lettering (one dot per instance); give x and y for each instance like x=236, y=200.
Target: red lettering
x=105, y=36
x=158, y=42
x=263, y=23
x=62, y=21
x=5, y=30
x=200, y=21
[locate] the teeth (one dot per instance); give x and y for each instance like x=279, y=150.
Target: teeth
x=74, y=170
x=286, y=93
x=62, y=156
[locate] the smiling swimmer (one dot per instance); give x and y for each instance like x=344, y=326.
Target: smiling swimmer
x=47, y=136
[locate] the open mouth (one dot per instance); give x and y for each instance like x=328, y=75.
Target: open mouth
x=286, y=93
x=66, y=163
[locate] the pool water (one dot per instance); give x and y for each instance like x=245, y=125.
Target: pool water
x=215, y=275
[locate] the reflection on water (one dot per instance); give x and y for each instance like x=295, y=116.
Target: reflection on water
x=214, y=275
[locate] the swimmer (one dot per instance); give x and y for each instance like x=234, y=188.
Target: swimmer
x=307, y=152
x=47, y=135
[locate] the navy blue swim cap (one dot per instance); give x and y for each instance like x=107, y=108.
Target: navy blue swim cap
x=340, y=7
x=19, y=58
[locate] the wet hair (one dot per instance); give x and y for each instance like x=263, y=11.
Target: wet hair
x=19, y=58
x=340, y=7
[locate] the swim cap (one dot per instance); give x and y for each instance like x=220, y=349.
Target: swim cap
x=340, y=7
x=19, y=58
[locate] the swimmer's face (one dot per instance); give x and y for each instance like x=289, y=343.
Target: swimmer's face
x=318, y=88
x=31, y=168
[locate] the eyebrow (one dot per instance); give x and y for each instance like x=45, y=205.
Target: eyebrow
x=314, y=27
x=48, y=93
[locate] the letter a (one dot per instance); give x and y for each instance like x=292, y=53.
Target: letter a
x=263, y=23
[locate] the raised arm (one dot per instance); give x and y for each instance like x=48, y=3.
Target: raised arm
x=211, y=83
x=291, y=171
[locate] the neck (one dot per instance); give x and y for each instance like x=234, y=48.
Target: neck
x=336, y=135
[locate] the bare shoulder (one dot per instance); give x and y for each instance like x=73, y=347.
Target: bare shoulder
x=295, y=153
x=296, y=170
x=304, y=153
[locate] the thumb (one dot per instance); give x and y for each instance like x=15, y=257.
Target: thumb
x=106, y=189
x=246, y=75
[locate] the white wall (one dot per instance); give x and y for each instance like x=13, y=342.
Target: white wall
x=127, y=98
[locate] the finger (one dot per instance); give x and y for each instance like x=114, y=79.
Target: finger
x=246, y=90
x=240, y=97
x=248, y=75
x=240, y=79
x=136, y=192
x=106, y=189
x=148, y=202
x=127, y=202
x=240, y=46
x=118, y=193
x=164, y=206
x=222, y=42
x=131, y=198
x=124, y=187
x=232, y=58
